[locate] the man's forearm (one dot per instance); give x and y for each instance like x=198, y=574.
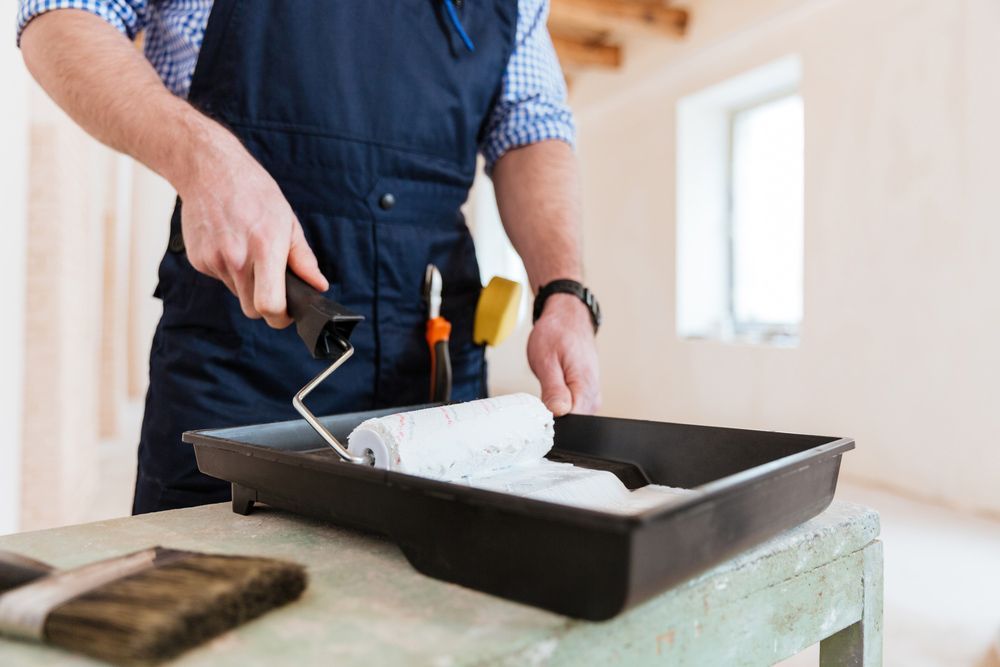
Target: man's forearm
x=101, y=80
x=538, y=194
x=236, y=223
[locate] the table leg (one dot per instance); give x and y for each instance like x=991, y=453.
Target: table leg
x=860, y=644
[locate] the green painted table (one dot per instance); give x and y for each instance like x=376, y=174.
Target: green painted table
x=820, y=582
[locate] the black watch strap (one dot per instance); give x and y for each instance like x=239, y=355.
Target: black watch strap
x=564, y=286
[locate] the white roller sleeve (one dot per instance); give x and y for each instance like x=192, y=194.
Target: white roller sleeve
x=498, y=444
x=458, y=441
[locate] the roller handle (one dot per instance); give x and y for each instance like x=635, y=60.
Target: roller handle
x=438, y=332
x=324, y=325
x=17, y=570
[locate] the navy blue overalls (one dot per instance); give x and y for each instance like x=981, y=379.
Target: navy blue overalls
x=368, y=114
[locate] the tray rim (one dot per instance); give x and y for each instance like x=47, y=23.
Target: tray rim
x=221, y=438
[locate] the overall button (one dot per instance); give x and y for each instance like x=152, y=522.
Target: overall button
x=176, y=243
x=387, y=201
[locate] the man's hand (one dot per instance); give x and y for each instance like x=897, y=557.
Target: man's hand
x=538, y=193
x=239, y=228
x=562, y=354
x=237, y=225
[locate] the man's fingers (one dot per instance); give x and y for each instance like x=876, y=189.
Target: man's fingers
x=269, y=295
x=230, y=285
x=555, y=394
x=582, y=379
x=210, y=265
x=302, y=261
x=251, y=257
x=243, y=281
x=269, y=283
x=586, y=394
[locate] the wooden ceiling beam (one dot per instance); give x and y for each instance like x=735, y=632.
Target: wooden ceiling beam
x=604, y=14
x=573, y=51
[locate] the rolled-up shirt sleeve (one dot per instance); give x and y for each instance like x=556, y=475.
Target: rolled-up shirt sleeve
x=532, y=103
x=128, y=16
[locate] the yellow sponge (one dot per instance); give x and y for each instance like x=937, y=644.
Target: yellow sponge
x=496, y=312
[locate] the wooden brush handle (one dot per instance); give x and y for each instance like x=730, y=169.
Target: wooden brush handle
x=16, y=570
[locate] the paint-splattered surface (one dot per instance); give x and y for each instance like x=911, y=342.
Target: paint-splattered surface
x=366, y=606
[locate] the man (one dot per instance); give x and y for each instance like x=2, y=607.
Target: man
x=336, y=138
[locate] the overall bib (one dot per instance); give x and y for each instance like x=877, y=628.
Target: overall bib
x=368, y=114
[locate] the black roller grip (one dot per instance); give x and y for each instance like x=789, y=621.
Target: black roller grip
x=323, y=325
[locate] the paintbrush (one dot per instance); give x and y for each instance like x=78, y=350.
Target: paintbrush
x=142, y=608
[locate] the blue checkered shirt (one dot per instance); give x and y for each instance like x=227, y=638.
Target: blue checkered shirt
x=531, y=107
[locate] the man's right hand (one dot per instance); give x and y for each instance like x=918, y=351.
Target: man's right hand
x=239, y=228
x=237, y=225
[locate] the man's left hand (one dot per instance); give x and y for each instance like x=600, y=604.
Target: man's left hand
x=563, y=356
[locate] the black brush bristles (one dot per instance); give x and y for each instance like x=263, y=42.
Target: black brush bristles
x=157, y=614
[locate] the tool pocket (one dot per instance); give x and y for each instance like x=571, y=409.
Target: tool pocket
x=468, y=361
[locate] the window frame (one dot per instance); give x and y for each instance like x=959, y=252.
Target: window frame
x=757, y=331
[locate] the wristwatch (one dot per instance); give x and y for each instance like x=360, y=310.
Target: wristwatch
x=564, y=286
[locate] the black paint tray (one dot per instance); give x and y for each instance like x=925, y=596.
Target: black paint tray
x=582, y=563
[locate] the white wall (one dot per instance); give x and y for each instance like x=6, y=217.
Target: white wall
x=70, y=176
x=13, y=199
x=902, y=252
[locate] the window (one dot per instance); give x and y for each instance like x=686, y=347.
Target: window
x=740, y=209
x=765, y=218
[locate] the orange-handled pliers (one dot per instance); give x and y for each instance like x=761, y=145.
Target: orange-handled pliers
x=438, y=331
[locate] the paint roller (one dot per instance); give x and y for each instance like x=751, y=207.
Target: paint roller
x=459, y=440
x=497, y=444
